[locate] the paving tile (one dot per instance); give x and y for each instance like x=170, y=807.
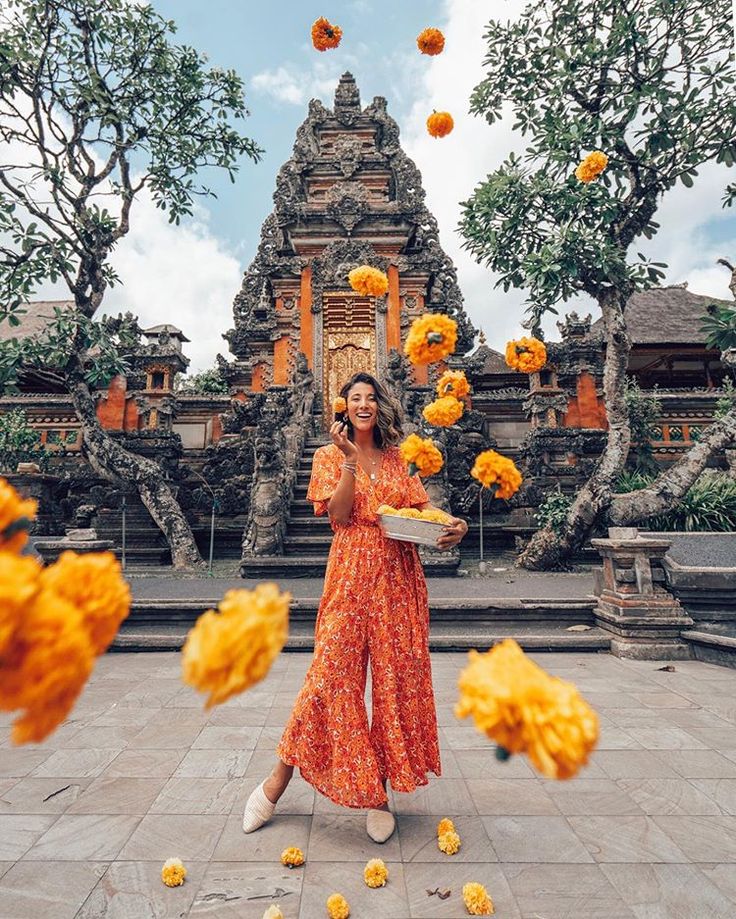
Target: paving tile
x=668, y=892
x=106, y=736
x=141, y=763
x=446, y=797
x=269, y=738
x=591, y=798
x=633, y=764
x=77, y=763
x=5, y=867
x=322, y=879
x=133, y=890
x=152, y=693
x=344, y=839
x=18, y=832
x=299, y=798
x=189, y=795
x=565, y=892
x=535, y=839
x=702, y=839
x=462, y=737
x=482, y=764
x=698, y=764
x=127, y=716
x=175, y=735
x=213, y=764
x=625, y=839
x=162, y=836
x=222, y=716
x=722, y=791
x=83, y=837
x=41, y=796
x=524, y=797
x=661, y=797
x=57, y=891
x=219, y=737
x=418, y=841
x=16, y=762
x=230, y=891
x=724, y=878
x=663, y=699
x=266, y=844
x=423, y=877
x=117, y=795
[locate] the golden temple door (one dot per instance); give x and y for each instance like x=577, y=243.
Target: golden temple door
x=349, y=343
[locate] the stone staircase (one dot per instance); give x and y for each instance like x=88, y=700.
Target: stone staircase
x=145, y=543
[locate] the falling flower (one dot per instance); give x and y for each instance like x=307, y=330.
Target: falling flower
x=337, y=906
x=375, y=873
x=19, y=584
x=431, y=41
x=592, y=166
x=368, y=282
x=476, y=899
x=292, y=857
x=453, y=383
x=449, y=842
x=421, y=456
x=228, y=651
x=443, y=412
x=493, y=470
x=273, y=912
x=339, y=406
x=445, y=826
x=16, y=514
x=173, y=873
x=527, y=355
x=525, y=710
x=439, y=124
x=325, y=35
x=432, y=337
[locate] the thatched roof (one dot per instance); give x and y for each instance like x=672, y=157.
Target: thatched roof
x=34, y=319
x=493, y=361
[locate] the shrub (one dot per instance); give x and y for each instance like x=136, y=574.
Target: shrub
x=19, y=442
x=553, y=510
x=709, y=506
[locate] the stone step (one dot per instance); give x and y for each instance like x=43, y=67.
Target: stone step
x=308, y=526
x=308, y=544
x=312, y=566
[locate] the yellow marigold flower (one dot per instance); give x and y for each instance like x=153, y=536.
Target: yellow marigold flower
x=495, y=471
x=592, y=166
x=375, y=873
x=368, y=282
x=443, y=412
x=173, y=873
x=387, y=510
x=525, y=710
x=273, y=912
x=94, y=583
x=432, y=337
x=453, y=383
x=339, y=406
x=445, y=826
x=476, y=899
x=228, y=651
x=19, y=584
x=292, y=857
x=439, y=124
x=431, y=41
x=45, y=666
x=16, y=514
x=325, y=35
x=421, y=456
x=435, y=516
x=449, y=842
x=527, y=355
x=412, y=512
x=338, y=907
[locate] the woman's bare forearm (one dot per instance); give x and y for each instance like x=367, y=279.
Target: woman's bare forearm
x=340, y=505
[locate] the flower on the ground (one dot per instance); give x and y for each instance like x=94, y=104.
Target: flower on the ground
x=592, y=166
x=445, y=826
x=228, y=651
x=476, y=899
x=368, y=282
x=449, y=842
x=439, y=124
x=420, y=455
x=19, y=584
x=339, y=406
x=93, y=583
x=430, y=41
x=432, y=337
x=273, y=912
x=453, y=383
x=173, y=873
x=495, y=471
x=337, y=906
x=16, y=514
x=527, y=355
x=375, y=873
x=525, y=710
x=325, y=35
x=443, y=412
x=292, y=857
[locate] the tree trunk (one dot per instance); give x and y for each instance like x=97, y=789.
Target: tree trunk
x=548, y=549
x=114, y=462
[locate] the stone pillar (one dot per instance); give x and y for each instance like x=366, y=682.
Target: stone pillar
x=633, y=602
x=31, y=483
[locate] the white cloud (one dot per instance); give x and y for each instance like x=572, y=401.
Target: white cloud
x=297, y=85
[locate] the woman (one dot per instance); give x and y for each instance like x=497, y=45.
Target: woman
x=374, y=607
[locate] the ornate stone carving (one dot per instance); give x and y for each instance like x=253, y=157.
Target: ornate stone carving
x=348, y=155
x=347, y=204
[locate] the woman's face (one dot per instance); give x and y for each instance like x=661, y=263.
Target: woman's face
x=362, y=406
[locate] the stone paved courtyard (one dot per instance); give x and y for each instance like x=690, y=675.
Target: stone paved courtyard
x=141, y=774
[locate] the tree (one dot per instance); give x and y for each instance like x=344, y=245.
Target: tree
x=207, y=382
x=19, y=442
x=650, y=83
x=98, y=107
x=719, y=324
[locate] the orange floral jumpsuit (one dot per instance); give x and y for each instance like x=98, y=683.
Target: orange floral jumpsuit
x=374, y=606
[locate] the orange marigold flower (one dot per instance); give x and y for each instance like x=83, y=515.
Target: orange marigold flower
x=292, y=857
x=432, y=337
x=339, y=406
x=337, y=906
x=476, y=899
x=527, y=355
x=435, y=516
x=449, y=842
x=94, y=584
x=443, y=412
x=421, y=456
x=493, y=470
x=453, y=383
x=445, y=826
x=592, y=166
x=325, y=35
x=16, y=514
x=439, y=124
x=173, y=873
x=368, y=282
x=19, y=584
x=228, y=651
x=525, y=710
x=375, y=873
x=431, y=41
x=45, y=666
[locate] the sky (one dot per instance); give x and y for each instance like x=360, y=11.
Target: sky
x=189, y=275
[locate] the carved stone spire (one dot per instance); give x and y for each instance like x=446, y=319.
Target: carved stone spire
x=347, y=99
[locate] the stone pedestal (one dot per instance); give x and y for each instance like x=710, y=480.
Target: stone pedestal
x=634, y=605
x=76, y=540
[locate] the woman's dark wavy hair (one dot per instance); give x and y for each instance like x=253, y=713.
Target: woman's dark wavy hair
x=387, y=432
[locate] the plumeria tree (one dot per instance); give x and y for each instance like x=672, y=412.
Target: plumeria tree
x=97, y=108
x=650, y=83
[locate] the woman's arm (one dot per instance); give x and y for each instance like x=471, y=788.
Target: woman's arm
x=340, y=505
x=454, y=531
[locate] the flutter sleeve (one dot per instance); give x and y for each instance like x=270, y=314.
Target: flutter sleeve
x=416, y=494
x=324, y=480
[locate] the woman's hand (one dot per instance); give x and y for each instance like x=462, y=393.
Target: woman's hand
x=454, y=532
x=339, y=435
